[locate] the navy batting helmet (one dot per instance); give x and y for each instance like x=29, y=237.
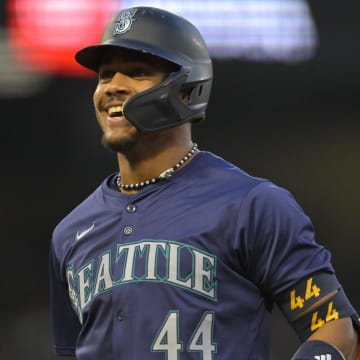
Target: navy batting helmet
x=170, y=37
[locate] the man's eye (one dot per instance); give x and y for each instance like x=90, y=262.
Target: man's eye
x=104, y=75
x=140, y=73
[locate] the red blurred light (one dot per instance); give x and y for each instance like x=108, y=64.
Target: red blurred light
x=45, y=34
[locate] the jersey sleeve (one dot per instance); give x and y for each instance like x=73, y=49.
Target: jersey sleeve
x=66, y=325
x=278, y=240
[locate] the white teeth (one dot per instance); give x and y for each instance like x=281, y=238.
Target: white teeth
x=115, y=110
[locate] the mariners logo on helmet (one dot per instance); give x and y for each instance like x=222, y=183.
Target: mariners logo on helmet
x=124, y=21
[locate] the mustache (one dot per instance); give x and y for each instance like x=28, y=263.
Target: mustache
x=111, y=99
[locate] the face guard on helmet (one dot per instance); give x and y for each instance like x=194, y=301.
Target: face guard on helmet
x=170, y=37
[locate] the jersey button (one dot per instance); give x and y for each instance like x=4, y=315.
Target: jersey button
x=131, y=208
x=128, y=230
x=121, y=315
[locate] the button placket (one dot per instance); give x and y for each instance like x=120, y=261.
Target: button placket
x=131, y=209
x=128, y=230
x=121, y=315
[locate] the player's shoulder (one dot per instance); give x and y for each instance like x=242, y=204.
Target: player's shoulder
x=238, y=182
x=217, y=168
x=227, y=175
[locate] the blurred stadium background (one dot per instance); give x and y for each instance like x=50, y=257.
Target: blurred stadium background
x=284, y=106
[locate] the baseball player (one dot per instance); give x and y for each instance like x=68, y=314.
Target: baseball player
x=181, y=254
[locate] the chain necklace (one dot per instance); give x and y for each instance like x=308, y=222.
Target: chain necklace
x=164, y=175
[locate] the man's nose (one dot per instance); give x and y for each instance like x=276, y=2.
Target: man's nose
x=119, y=84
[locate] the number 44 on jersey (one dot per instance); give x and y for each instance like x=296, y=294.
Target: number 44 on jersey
x=168, y=341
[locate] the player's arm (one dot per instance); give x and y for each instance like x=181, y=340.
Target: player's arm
x=341, y=334
x=336, y=340
x=323, y=318
x=66, y=325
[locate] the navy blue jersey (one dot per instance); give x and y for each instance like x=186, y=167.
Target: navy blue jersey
x=187, y=268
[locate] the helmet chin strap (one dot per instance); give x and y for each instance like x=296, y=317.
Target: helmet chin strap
x=161, y=106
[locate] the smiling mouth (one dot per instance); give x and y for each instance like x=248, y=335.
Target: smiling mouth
x=115, y=111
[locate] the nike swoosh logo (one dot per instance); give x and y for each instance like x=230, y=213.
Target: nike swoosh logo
x=83, y=233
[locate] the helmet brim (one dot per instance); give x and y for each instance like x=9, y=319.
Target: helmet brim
x=91, y=56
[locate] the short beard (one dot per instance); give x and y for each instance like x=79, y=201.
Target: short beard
x=119, y=146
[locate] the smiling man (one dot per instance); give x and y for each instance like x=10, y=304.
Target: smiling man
x=123, y=74
x=181, y=254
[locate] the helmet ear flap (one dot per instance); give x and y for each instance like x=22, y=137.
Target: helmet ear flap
x=162, y=106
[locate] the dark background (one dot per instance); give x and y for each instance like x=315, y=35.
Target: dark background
x=297, y=125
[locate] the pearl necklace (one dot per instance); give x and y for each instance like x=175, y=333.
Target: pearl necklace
x=164, y=175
